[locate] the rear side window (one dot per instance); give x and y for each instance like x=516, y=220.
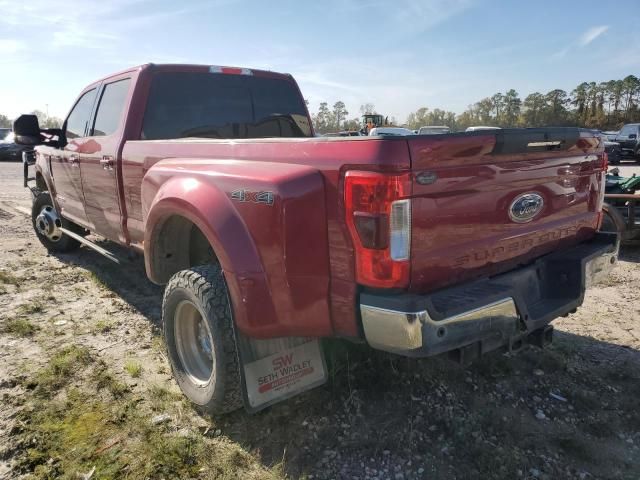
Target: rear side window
x=210, y=105
x=110, y=108
x=79, y=116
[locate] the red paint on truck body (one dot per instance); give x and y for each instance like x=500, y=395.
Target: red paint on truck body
x=289, y=264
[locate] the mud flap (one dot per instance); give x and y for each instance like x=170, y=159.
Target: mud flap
x=276, y=369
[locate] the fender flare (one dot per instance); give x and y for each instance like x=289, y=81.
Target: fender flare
x=211, y=211
x=48, y=181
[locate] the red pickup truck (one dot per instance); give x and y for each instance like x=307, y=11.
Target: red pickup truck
x=268, y=238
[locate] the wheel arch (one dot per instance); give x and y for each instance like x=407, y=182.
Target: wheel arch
x=216, y=232
x=40, y=182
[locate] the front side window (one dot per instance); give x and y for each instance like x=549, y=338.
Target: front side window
x=210, y=105
x=110, y=108
x=79, y=116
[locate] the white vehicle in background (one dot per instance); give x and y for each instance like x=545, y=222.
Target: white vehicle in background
x=391, y=131
x=478, y=128
x=434, y=130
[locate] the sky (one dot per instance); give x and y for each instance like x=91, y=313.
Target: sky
x=399, y=55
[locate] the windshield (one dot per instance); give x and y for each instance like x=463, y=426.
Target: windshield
x=209, y=105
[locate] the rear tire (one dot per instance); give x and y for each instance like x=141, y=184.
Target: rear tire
x=198, y=331
x=46, y=228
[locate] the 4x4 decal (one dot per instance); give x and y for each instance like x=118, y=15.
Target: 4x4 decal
x=243, y=195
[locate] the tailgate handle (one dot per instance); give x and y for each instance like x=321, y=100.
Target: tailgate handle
x=107, y=162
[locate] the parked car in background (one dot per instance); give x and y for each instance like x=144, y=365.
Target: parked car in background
x=610, y=135
x=11, y=151
x=433, y=130
x=480, y=127
x=391, y=131
x=628, y=139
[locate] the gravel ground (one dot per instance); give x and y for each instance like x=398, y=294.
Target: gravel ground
x=569, y=411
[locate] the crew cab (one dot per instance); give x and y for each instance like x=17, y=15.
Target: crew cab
x=268, y=237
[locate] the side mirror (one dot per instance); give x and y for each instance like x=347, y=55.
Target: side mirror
x=632, y=136
x=27, y=130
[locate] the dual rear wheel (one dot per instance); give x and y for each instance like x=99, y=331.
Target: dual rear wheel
x=199, y=334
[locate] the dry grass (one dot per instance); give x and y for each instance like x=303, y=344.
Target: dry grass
x=9, y=278
x=19, y=327
x=35, y=306
x=133, y=368
x=77, y=430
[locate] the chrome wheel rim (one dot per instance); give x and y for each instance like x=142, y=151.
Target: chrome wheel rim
x=48, y=223
x=194, y=343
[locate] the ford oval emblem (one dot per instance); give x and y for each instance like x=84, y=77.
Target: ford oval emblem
x=526, y=207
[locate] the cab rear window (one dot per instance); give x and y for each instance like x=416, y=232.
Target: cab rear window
x=210, y=105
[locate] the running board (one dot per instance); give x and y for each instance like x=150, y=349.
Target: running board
x=90, y=244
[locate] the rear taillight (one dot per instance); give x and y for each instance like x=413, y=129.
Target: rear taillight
x=378, y=214
x=605, y=161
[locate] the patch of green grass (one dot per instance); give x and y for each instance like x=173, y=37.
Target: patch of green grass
x=19, y=327
x=133, y=368
x=64, y=438
x=105, y=379
x=157, y=344
x=78, y=429
x=32, y=307
x=9, y=278
x=62, y=367
x=161, y=398
x=102, y=326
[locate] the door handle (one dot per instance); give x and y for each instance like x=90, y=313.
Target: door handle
x=74, y=159
x=107, y=162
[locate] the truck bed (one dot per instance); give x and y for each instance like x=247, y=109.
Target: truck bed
x=461, y=229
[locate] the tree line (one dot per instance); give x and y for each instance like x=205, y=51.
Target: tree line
x=604, y=106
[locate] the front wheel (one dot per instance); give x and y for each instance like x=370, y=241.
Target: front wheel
x=198, y=331
x=47, y=224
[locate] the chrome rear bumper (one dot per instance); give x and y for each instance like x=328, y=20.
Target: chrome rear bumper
x=491, y=312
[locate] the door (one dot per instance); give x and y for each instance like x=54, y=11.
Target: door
x=65, y=162
x=99, y=161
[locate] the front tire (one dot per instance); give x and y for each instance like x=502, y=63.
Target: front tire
x=198, y=331
x=47, y=222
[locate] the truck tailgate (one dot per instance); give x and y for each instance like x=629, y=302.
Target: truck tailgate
x=484, y=203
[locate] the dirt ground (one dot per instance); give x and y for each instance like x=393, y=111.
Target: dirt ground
x=86, y=390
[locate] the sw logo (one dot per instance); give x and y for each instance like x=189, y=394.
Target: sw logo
x=242, y=195
x=282, y=361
